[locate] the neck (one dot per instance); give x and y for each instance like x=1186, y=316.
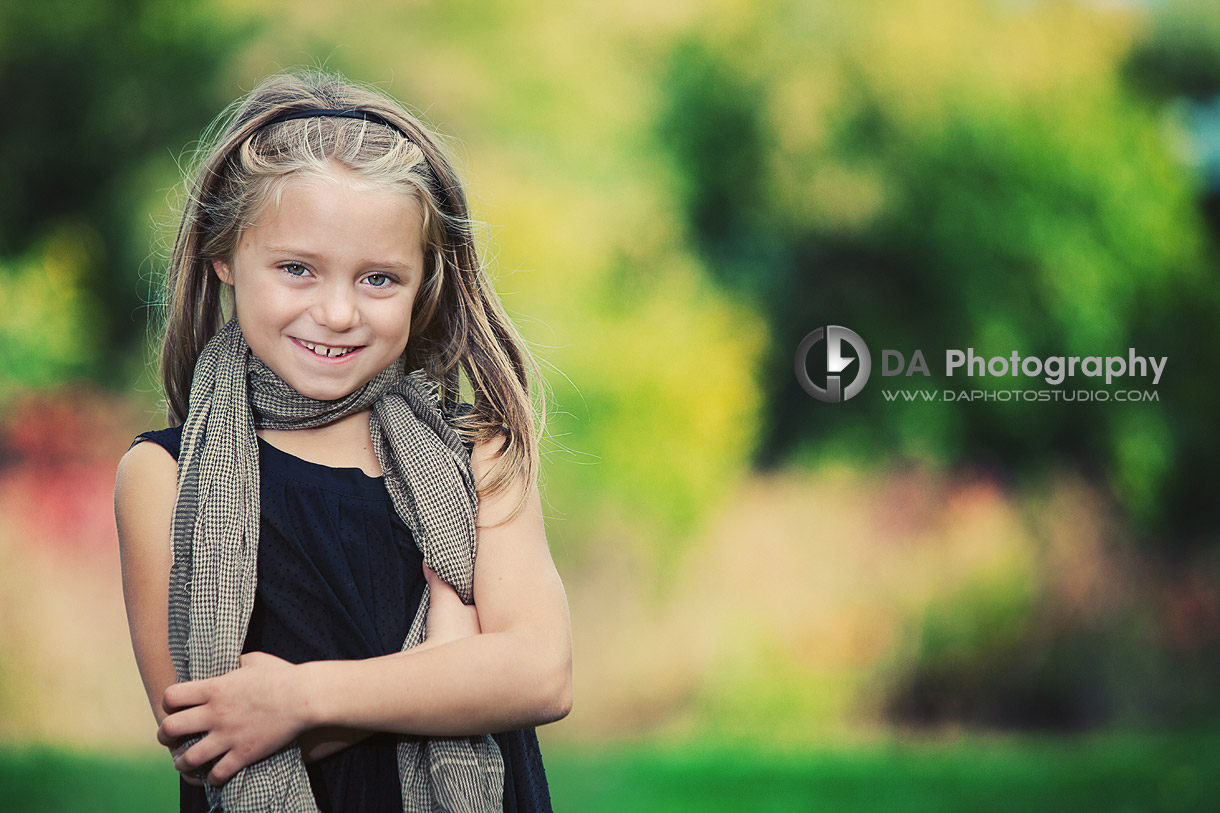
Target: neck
x=345, y=443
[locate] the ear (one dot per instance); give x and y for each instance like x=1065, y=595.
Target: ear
x=223, y=272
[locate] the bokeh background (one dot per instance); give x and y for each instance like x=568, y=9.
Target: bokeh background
x=777, y=604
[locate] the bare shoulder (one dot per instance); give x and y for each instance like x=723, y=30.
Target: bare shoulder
x=146, y=483
x=147, y=454
x=146, y=464
x=484, y=459
x=485, y=454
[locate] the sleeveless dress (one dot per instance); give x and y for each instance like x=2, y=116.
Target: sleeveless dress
x=340, y=577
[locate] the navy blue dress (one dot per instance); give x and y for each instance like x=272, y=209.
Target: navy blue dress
x=340, y=577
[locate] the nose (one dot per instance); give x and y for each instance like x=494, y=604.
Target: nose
x=334, y=306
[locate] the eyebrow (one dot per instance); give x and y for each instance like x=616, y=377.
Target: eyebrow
x=309, y=255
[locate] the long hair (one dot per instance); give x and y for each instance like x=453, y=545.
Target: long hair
x=458, y=324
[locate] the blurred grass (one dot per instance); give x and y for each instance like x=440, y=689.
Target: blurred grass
x=1133, y=772
x=1107, y=772
x=35, y=779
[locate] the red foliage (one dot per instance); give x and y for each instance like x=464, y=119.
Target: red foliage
x=58, y=452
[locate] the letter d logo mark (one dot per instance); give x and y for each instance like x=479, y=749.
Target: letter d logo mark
x=836, y=362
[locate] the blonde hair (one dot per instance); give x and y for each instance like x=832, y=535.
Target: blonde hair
x=458, y=324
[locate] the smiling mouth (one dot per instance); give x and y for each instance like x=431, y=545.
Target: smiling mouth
x=326, y=351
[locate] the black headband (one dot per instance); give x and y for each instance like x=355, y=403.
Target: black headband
x=367, y=115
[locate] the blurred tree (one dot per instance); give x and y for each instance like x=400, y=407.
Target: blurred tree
x=952, y=175
x=94, y=91
x=1179, y=54
x=1176, y=63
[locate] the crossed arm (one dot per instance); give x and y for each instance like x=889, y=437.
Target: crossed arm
x=506, y=666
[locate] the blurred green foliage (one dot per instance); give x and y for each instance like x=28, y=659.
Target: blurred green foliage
x=44, y=332
x=101, y=97
x=953, y=175
x=1180, y=52
x=994, y=657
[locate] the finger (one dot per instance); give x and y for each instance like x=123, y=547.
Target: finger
x=200, y=754
x=181, y=695
x=194, y=720
x=224, y=770
x=189, y=778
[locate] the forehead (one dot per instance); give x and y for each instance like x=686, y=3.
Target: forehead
x=334, y=179
x=339, y=208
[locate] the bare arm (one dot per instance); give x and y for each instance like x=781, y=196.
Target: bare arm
x=516, y=673
x=146, y=487
x=448, y=619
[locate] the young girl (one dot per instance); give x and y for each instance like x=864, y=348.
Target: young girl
x=311, y=518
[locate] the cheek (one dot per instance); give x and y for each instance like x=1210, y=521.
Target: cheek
x=402, y=330
x=394, y=326
x=260, y=311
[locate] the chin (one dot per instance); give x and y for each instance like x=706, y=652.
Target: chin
x=329, y=394
x=328, y=391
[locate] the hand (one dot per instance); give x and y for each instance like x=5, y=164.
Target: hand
x=448, y=618
x=245, y=715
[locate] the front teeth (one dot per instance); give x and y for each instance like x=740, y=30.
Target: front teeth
x=329, y=352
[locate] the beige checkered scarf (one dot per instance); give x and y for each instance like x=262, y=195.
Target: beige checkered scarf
x=215, y=552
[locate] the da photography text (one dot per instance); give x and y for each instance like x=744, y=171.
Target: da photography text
x=1053, y=369
x=843, y=361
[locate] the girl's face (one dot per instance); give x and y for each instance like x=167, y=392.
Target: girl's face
x=324, y=284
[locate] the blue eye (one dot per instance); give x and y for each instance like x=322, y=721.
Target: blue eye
x=378, y=280
x=295, y=269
